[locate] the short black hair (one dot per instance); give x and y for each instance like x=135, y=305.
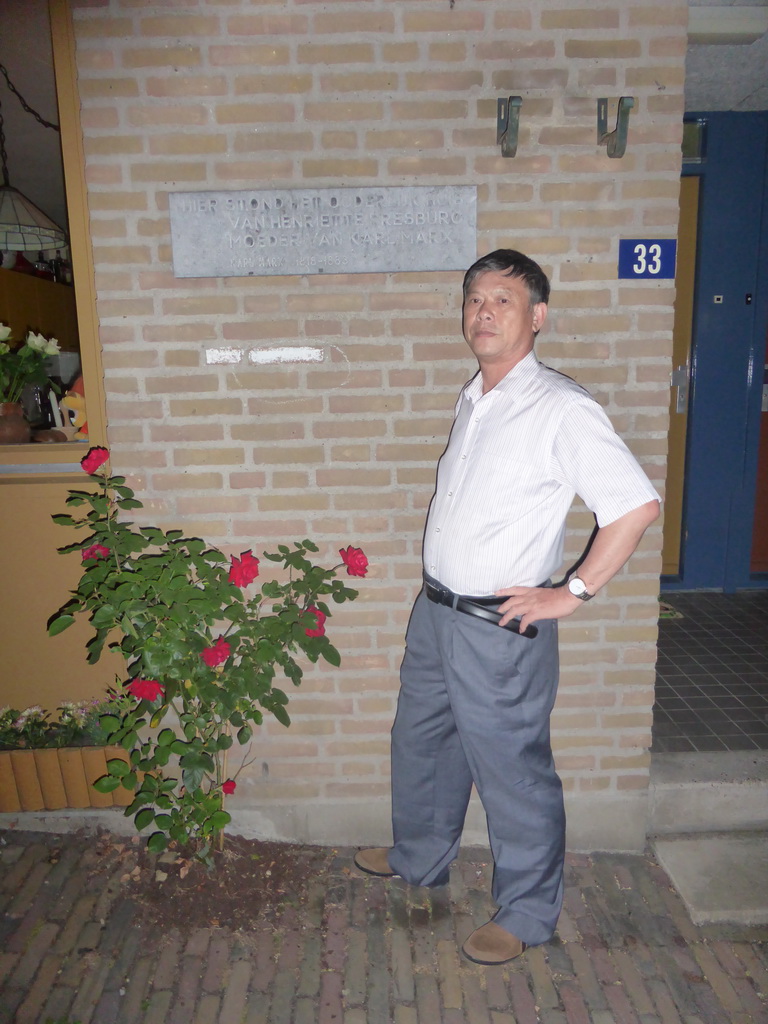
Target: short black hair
x=513, y=264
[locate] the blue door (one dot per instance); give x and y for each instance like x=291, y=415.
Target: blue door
x=730, y=317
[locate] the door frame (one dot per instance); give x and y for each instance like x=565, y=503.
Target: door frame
x=712, y=560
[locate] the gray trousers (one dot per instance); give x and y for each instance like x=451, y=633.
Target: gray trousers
x=474, y=706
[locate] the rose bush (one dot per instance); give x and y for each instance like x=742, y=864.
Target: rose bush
x=201, y=656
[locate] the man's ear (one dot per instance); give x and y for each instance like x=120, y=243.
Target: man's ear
x=539, y=315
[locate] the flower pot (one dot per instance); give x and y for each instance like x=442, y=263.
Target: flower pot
x=49, y=777
x=95, y=765
x=14, y=429
x=9, y=797
x=27, y=785
x=73, y=775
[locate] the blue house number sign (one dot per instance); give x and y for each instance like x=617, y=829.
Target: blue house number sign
x=647, y=257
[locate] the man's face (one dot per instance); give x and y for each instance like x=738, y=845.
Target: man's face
x=499, y=322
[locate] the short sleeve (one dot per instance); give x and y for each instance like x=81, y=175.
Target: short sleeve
x=590, y=456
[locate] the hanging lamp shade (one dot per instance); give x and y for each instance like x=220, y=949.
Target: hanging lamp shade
x=24, y=228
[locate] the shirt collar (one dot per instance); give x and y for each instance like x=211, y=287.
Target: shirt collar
x=518, y=378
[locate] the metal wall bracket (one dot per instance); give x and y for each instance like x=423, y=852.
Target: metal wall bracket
x=615, y=141
x=508, y=124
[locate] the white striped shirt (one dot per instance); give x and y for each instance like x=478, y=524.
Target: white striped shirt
x=516, y=457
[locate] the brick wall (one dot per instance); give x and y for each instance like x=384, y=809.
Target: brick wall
x=230, y=94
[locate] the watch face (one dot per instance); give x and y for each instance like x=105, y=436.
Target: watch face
x=577, y=587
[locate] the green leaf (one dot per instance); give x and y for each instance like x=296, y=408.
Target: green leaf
x=162, y=756
x=144, y=818
x=129, y=781
x=192, y=777
x=166, y=737
x=224, y=742
x=331, y=655
x=179, y=833
x=157, y=842
x=119, y=769
x=137, y=804
x=59, y=624
x=244, y=734
x=104, y=616
x=219, y=819
x=106, y=784
x=280, y=714
x=63, y=519
x=150, y=785
x=109, y=723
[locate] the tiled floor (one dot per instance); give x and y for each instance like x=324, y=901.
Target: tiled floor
x=712, y=673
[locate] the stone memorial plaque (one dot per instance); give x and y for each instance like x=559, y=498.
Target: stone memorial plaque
x=323, y=231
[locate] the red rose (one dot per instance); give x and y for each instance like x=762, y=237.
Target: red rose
x=95, y=551
x=217, y=654
x=355, y=561
x=229, y=787
x=244, y=569
x=319, y=629
x=96, y=457
x=146, y=689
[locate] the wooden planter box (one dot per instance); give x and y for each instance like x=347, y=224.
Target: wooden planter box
x=52, y=778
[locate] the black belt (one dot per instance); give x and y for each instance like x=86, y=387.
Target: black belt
x=481, y=607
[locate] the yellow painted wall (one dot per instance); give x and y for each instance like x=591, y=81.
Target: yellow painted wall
x=36, y=668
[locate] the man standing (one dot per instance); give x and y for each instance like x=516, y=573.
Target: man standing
x=480, y=672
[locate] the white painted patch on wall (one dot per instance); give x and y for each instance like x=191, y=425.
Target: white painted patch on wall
x=286, y=355
x=223, y=356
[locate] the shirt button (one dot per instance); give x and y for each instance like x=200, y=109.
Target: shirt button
x=463, y=456
x=437, y=529
x=450, y=494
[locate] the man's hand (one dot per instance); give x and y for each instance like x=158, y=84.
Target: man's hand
x=612, y=547
x=529, y=604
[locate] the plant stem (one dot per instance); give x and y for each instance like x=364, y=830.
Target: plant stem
x=110, y=515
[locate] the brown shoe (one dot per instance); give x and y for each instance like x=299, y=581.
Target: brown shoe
x=492, y=945
x=374, y=862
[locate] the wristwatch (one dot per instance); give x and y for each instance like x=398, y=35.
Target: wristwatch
x=578, y=588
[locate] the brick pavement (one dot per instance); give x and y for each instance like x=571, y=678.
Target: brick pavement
x=363, y=951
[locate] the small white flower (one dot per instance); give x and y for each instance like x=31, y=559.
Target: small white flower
x=52, y=347
x=33, y=714
x=36, y=341
x=5, y=332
